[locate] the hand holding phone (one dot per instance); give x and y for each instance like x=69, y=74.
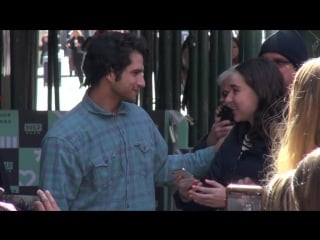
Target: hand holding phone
x=226, y=113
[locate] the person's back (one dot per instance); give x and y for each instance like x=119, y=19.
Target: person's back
x=278, y=193
x=305, y=182
x=43, y=49
x=75, y=44
x=297, y=189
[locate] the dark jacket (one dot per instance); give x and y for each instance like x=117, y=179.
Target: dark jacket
x=228, y=166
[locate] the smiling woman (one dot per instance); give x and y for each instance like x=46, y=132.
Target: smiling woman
x=256, y=97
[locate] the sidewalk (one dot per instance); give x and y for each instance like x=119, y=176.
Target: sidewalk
x=70, y=94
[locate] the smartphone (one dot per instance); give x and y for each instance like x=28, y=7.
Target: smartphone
x=241, y=197
x=226, y=113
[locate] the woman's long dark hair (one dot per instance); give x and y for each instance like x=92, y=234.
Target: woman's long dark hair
x=264, y=77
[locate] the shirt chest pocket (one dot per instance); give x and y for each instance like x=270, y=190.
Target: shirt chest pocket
x=143, y=157
x=101, y=174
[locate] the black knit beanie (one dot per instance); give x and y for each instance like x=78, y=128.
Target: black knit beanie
x=287, y=43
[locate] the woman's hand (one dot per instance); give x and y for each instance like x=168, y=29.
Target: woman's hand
x=214, y=196
x=184, y=186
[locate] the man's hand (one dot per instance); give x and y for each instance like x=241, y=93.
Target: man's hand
x=46, y=201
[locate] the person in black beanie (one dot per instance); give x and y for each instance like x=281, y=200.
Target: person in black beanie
x=288, y=50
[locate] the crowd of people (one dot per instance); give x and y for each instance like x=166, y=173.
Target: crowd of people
x=107, y=154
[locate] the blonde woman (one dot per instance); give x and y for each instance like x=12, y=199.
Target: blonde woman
x=300, y=133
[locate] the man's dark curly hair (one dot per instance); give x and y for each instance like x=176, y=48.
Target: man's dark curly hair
x=111, y=51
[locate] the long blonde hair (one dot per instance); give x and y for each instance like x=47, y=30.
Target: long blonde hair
x=296, y=189
x=306, y=181
x=279, y=193
x=76, y=33
x=301, y=132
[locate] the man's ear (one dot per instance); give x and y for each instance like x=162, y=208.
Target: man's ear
x=111, y=77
